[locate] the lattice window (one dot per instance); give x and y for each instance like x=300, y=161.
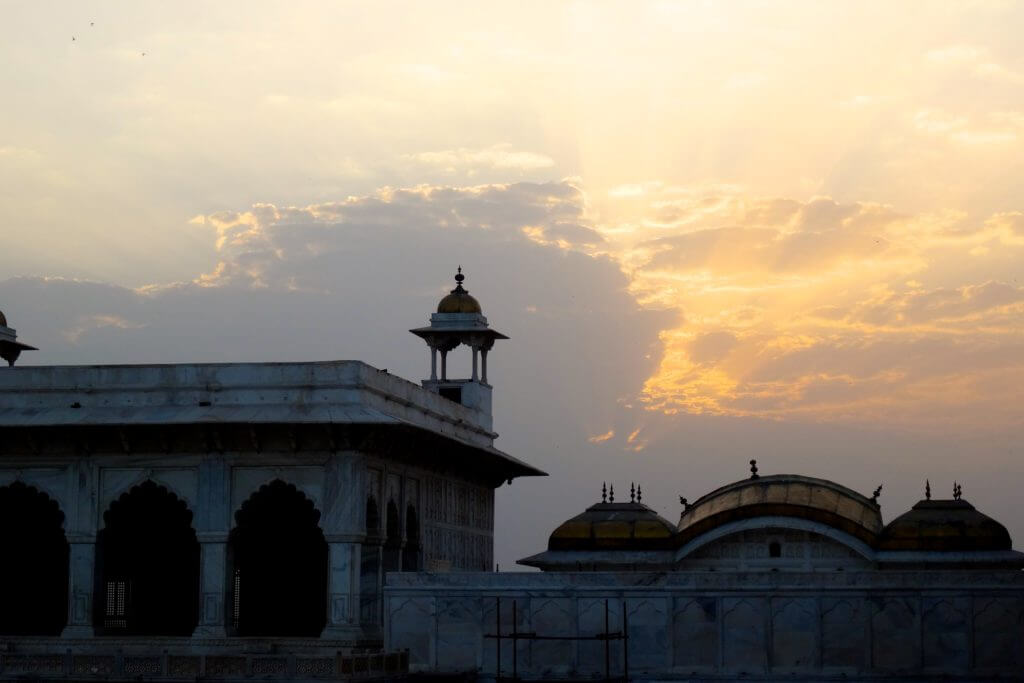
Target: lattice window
x=236, y=607
x=115, y=615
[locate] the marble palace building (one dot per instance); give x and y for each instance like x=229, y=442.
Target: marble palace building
x=326, y=520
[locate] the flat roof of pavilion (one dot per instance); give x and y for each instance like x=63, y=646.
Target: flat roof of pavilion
x=301, y=393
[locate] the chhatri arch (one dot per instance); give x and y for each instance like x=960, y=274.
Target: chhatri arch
x=34, y=573
x=147, y=565
x=277, y=560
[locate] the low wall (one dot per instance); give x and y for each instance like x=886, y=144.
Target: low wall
x=722, y=625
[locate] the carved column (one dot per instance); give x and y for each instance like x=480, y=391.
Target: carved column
x=80, y=588
x=342, y=585
x=81, y=525
x=212, y=520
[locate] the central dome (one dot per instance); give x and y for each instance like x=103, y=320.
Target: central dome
x=459, y=300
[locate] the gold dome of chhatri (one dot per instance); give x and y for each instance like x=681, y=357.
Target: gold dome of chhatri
x=459, y=300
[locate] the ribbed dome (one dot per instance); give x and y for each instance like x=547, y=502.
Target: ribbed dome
x=619, y=526
x=459, y=300
x=944, y=525
x=783, y=495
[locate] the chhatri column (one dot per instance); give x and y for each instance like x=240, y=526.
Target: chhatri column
x=483, y=365
x=433, y=363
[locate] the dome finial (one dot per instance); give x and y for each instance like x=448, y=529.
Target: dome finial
x=459, y=277
x=927, y=490
x=753, y=469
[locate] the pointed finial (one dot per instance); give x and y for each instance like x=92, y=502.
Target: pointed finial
x=611, y=493
x=632, y=493
x=459, y=277
x=685, y=503
x=958, y=491
x=876, y=494
x=753, y=469
x=604, y=492
x=639, y=494
x=927, y=490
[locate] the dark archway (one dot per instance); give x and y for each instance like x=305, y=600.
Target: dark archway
x=278, y=559
x=34, y=569
x=369, y=567
x=411, y=551
x=393, y=539
x=147, y=565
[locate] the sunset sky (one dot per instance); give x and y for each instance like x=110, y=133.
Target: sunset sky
x=713, y=231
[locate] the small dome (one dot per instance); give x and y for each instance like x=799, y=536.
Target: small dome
x=614, y=526
x=944, y=525
x=459, y=300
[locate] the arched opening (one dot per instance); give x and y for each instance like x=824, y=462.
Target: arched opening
x=369, y=568
x=147, y=565
x=774, y=549
x=393, y=540
x=278, y=564
x=411, y=551
x=34, y=570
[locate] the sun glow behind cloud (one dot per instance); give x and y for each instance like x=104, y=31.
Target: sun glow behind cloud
x=835, y=230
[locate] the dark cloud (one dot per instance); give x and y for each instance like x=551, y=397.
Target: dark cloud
x=348, y=279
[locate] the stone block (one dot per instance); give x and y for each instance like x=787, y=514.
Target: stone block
x=179, y=666
x=590, y=660
x=649, y=638
x=946, y=637
x=695, y=643
x=998, y=634
x=412, y=626
x=552, y=617
x=843, y=627
x=459, y=633
x=794, y=634
x=895, y=634
x=745, y=623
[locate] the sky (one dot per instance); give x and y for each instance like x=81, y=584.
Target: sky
x=789, y=231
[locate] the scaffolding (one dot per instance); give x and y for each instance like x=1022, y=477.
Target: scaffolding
x=516, y=635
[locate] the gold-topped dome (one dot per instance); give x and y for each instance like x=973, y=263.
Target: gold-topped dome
x=944, y=525
x=618, y=526
x=459, y=300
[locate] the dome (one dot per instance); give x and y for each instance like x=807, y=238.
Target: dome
x=944, y=525
x=459, y=300
x=783, y=495
x=614, y=526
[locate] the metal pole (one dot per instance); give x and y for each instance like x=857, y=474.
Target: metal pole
x=497, y=641
x=607, y=643
x=625, y=643
x=515, y=643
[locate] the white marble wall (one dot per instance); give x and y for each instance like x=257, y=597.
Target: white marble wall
x=798, y=626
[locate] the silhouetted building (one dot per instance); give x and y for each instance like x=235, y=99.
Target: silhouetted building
x=781, y=577
x=235, y=519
